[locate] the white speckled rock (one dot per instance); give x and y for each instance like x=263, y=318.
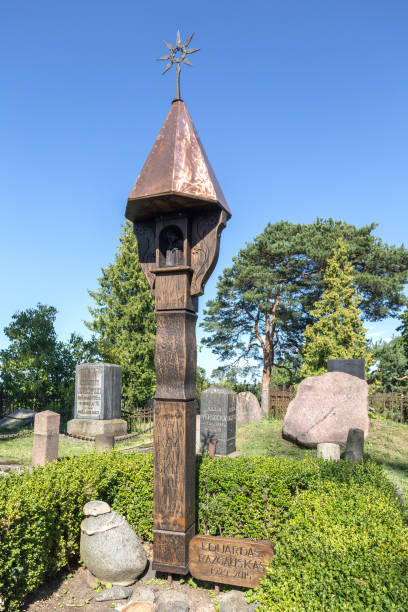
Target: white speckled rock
x=111, y=550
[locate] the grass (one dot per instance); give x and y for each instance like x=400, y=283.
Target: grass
x=20, y=449
x=387, y=444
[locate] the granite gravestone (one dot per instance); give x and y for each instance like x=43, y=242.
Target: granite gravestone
x=46, y=437
x=97, y=401
x=218, y=419
x=355, y=367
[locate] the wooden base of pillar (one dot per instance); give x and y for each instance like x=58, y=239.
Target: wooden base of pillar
x=174, y=484
x=170, y=551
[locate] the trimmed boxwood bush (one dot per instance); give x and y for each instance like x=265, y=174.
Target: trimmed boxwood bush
x=340, y=539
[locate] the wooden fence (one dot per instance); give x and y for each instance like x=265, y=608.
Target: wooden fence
x=391, y=405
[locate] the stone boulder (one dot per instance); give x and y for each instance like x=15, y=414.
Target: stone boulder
x=248, y=408
x=325, y=408
x=109, y=547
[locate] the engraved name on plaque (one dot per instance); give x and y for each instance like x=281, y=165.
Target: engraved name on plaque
x=235, y=561
x=89, y=393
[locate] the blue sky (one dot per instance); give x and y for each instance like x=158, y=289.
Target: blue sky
x=301, y=106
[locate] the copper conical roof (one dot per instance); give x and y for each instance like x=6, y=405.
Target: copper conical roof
x=177, y=174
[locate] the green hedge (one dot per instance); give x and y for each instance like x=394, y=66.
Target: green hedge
x=340, y=540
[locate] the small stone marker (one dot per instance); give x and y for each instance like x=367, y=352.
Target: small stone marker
x=328, y=451
x=218, y=419
x=97, y=401
x=354, y=445
x=46, y=437
x=248, y=408
x=104, y=442
x=241, y=562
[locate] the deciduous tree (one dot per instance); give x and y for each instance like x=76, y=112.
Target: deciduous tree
x=36, y=363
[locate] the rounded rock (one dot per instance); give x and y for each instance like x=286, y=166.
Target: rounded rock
x=95, y=508
x=111, y=550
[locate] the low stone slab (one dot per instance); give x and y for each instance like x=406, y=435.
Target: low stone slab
x=248, y=408
x=324, y=409
x=328, y=451
x=18, y=419
x=89, y=428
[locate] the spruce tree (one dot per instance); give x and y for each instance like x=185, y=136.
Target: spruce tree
x=337, y=332
x=124, y=320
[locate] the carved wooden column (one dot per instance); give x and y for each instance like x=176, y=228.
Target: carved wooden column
x=178, y=211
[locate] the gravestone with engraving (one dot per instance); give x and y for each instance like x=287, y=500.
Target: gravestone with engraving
x=218, y=419
x=97, y=401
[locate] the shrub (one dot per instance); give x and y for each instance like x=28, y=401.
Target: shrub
x=41, y=513
x=343, y=547
x=339, y=536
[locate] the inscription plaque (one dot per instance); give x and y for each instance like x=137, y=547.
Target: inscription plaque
x=89, y=393
x=98, y=391
x=218, y=419
x=235, y=561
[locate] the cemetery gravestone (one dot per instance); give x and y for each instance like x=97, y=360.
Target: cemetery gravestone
x=354, y=445
x=355, y=367
x=324, y=409
x=104, y=443
x=97, y=401
x=46, y=437
x=248, y=408
x=218, y=419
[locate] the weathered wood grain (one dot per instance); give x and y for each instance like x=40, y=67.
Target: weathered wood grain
x=235, y=561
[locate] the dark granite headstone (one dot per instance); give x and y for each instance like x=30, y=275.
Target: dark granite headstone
x=355, y=445
x=355, y=367
x=98, y=391
x=218, y=419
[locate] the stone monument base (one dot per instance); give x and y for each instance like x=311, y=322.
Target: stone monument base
x=95, y=427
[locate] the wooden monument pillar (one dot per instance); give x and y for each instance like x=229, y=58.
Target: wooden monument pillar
x=178, y=211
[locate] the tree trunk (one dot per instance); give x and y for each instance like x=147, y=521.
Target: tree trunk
x=266, y=392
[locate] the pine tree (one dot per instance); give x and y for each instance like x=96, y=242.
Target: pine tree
x=337, y=332
x=403, y=328
x=264, y=299
x=124, y=320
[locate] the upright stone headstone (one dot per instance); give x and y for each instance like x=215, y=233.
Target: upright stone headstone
x=218, y=418
x=104, y=443
x=354, y=445
x=248, y=408
x=355, y=367
x=97, y=401
x=46, y=437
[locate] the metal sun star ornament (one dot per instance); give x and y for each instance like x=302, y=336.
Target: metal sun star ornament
x=178, y=55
